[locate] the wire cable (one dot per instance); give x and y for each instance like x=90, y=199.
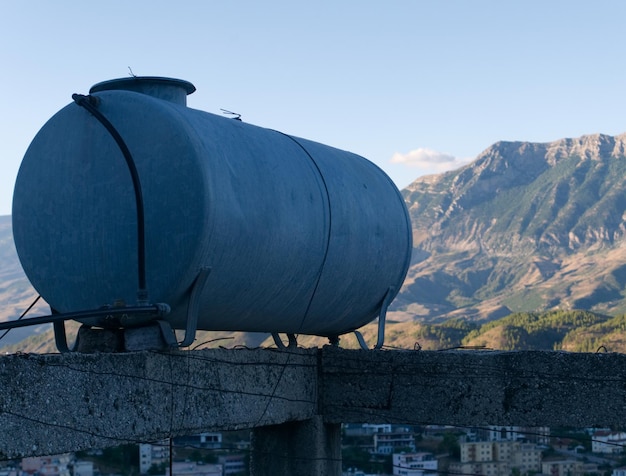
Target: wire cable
x=32, y=304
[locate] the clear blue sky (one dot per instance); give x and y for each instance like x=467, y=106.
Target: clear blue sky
x=415, y=86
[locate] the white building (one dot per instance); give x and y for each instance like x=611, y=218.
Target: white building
x=619, y=471
x=232, y=464
x=608, y=442
x=82, y=468
x=539, y=435
x=194, y=469
x=207, y=440
x=353, y=472
x=352, y=429
x=389, y=443
x=413, y=464
x=153, y=453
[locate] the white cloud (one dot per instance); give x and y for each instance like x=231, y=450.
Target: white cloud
x=428, y=159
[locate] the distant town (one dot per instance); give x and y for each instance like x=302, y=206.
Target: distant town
x=367, y=450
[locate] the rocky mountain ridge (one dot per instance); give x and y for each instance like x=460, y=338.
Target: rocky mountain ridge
x=524, y=227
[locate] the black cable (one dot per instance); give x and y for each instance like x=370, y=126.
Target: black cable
x=32, y=304
x=89, y=103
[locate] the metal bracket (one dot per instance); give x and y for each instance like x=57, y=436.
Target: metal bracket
x=58, y=321
x=293, y=342
x=167, y=334
x=193, y=307
x=60, y=337
x=381, y=322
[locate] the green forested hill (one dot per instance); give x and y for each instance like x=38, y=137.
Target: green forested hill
x=574, y=331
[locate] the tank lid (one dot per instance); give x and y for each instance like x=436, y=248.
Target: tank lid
x=168, y=89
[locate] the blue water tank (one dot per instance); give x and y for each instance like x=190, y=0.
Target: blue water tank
x=300, y=237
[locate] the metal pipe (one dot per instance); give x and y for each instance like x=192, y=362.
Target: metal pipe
x=158, y=310
x=89, y=103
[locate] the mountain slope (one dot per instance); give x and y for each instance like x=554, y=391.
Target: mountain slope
x=16, y=293
x=524, y=227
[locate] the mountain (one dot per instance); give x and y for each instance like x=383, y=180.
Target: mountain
x=16, y=293
x=524, y=227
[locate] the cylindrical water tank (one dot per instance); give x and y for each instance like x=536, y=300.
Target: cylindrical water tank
x=300, y=237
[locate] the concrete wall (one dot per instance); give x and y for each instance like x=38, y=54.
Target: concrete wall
x=56, y=403
x=66, y=402
x=474, y=388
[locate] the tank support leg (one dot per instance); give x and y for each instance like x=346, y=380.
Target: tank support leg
x=293, y=341
x=167, y=334
x=381, y=322
x=193, y=307
x=60, y=337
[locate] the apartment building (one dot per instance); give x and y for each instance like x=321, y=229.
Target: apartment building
x=479, y=451
x=538, y=435
x=233, y=464
x=208, y=440
x=608, y=442
x=414, y=464
x=497, y=458
x=389, y=443
x=153, y=453
x=621, y=471
x=562, y=467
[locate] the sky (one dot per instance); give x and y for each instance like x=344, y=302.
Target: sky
x=416, y=86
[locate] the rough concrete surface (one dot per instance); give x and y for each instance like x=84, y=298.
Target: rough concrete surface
x=66, y=402
x=474, y=388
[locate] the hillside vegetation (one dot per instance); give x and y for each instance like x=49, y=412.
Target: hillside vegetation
x=573, y=331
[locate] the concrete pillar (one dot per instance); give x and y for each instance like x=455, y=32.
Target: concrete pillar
x=303, y=448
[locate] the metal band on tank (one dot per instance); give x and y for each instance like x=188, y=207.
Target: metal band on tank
x=319, y=275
